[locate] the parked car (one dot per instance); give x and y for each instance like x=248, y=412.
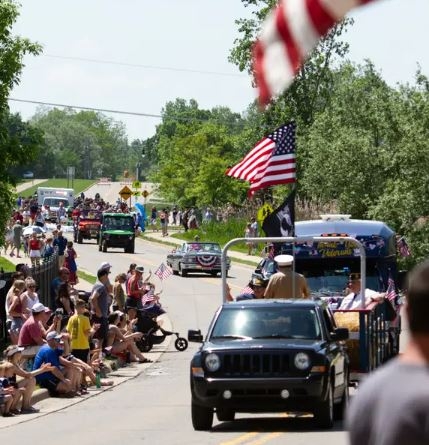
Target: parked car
x=28, y=175
x=196, y=257
x=263, y=356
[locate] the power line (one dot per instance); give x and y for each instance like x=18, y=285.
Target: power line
x=80, y=107
x=154, y=67
x=106, y=110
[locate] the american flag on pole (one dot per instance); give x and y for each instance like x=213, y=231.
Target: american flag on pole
x=163, y=271
x=403, y=247
x=289, y=33
x=391, y=290
x=270, y=162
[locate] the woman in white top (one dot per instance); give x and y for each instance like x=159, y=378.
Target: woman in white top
x=30, y=297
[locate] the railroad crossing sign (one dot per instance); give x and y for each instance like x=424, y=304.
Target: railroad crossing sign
x=125, y=193
x=136, y=184
x=145, y=193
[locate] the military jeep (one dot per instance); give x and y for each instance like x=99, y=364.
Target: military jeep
x=87, y=226
x=117, y=230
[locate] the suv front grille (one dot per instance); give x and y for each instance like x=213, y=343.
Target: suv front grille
x=255, y=365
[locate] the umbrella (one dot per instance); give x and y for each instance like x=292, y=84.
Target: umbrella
x=31, y=229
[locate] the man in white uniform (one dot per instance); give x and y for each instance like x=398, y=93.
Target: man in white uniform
x=353, y=299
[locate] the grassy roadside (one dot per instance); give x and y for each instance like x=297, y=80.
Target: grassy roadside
x=6, y=265
x=86, y=276
x=218, y=232
x=79, y=185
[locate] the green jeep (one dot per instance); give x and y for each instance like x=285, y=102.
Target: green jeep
x=117, y=230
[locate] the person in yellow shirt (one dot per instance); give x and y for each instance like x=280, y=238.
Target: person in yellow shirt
x=286, y=283
x=79, y=329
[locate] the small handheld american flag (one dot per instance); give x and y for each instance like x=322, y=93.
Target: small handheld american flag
x=391, y=290
x=148, y=297
x=163, y=271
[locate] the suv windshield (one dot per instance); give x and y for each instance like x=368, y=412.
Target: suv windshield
x=119, y=223
x=261, y=322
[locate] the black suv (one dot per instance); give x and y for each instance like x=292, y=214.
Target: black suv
x=270, y=356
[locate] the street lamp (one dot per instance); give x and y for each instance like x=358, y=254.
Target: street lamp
x=138, y=166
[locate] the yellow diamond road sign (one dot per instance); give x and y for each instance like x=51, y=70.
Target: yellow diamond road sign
x=125, y=192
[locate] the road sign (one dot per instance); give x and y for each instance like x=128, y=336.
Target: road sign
x=145, y=193
x=125, y=193
x=136, y=184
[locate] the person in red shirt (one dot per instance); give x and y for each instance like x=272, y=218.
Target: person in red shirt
x=35, y=249
x=32, y=333
x=135, y=289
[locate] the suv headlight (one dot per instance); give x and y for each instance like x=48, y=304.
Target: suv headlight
x=302, y=361
x=212, y=362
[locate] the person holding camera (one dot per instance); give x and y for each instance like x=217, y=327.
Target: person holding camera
x=64, y=304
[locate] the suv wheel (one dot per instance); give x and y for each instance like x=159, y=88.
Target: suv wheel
x=104, y=246
x=225, y=414
x=324, y=413
x=79, y=238
x=202, y=417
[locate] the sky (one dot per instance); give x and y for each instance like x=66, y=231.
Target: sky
x=165, y=49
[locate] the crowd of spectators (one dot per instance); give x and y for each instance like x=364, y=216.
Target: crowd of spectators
x=61, y=347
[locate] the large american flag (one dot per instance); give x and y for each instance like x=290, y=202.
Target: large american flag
x=163, y=271
x=288, y=35
x=270, y=162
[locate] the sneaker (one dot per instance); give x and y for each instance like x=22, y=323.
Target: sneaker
x=29, y=410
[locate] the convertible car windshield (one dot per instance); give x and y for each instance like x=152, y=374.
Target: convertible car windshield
x=203, y=247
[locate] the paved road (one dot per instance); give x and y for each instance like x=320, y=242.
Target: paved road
x=109, y=191
x=155, y=406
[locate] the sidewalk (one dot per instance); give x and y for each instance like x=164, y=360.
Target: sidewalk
x=237, y=256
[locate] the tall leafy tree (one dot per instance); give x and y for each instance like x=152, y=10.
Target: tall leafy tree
x=18, y=140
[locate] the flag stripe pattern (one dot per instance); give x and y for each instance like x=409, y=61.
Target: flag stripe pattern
x=391, y=290
x=288, y=35
x=163, y=271
x=270, y=162
x=148, y=297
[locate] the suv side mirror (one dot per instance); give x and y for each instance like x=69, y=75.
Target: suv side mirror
x=340, y=334
x=195, y=336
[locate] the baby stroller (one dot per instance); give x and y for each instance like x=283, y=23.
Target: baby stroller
x=153, y=334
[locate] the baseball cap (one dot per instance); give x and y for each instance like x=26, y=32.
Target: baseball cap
x=13, y=350
x=105, y=265
x=39, y=307
x=53, y=335
x=258, y=282
x=140, y=269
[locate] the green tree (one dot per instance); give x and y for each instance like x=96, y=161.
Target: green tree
x=18, y=140
x=92, y=143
